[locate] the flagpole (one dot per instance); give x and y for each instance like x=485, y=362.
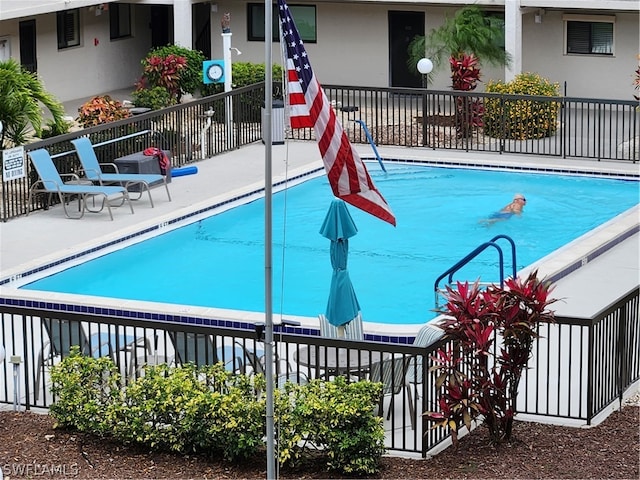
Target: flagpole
x=268, y=268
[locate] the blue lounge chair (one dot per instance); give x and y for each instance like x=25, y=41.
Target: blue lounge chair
x=51, y=182
x=93, y=171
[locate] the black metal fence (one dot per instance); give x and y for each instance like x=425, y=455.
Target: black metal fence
x=578, y=369
x=554, y=126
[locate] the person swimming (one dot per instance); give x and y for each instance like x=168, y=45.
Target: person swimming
x=506, y=212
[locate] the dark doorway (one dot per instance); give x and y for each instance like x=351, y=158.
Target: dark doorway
x=202, y=28
x=403, y=26
x=161, y=25
x=27, y=32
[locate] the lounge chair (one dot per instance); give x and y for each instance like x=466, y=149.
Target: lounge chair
x=200, y=349
x=65, y=333
x=92, y=169
x=51, y=182
x=255, y=362
x=351, y=331
x=392, y=373
x=427, y=336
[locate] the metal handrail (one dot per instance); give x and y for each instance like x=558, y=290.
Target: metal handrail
x=373, y=145
x=474, y=253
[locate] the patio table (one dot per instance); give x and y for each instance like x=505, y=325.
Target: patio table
x=338, y=360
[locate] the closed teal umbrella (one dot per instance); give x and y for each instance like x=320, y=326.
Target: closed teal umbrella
x=338, y=226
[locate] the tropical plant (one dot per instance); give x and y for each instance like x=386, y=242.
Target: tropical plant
x=468, y=38
x=21, y=93
x=176, y=68
x=465, y=75
x=55, y=128
x=101, y=109
x=469, y=31
x=163, y=72
x=522, y=118
x=465, y=72
x=492, y=333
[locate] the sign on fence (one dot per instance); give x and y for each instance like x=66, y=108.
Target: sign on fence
x=13, y=163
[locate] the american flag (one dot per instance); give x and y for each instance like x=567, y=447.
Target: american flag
x=309, y=107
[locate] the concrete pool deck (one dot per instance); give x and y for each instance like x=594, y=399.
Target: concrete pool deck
x=46, y=236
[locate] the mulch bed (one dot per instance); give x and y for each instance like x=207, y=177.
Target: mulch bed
x=31, y=447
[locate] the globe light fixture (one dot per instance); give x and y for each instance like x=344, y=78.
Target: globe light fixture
x=425, y=67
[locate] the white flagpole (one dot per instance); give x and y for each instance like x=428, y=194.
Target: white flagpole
x=268, y=268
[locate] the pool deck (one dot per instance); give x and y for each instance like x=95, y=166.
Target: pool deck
x=44, y=236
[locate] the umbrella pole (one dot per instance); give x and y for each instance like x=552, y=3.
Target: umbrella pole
x=268, y=267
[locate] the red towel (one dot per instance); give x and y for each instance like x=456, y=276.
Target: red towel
x=163, y=158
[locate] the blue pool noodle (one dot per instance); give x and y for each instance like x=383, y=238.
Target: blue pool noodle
x=179, y=172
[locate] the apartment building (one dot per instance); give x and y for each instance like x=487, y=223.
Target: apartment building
x=83, y=47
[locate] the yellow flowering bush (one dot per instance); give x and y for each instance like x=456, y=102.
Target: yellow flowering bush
x=521, y=118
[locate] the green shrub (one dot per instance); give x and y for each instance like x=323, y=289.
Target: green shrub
x=337, y=416
x=245, y=73
x=55, y=128
x=83, y=388
x=161, y=409
x=154, y=98
x=210, y=410
x=521, y=119
x=189, y=78
x=236, y=422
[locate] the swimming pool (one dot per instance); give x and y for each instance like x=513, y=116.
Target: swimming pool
x=393, y=270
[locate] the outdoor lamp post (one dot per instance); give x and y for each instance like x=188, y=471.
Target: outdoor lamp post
x=425, y=66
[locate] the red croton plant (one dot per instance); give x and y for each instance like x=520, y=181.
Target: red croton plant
x=492, y=332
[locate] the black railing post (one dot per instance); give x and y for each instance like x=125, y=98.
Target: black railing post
x=621, y=350
x=590, y=370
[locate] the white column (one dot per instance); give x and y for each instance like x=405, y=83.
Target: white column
x=183, y=23
x=226, y=55
x=513, y=38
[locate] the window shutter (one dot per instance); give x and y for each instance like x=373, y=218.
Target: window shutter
x=578, y=37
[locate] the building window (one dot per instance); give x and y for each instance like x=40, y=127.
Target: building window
x=304, y=16
x=119, y=20
x=68, y=28
x=586, y=36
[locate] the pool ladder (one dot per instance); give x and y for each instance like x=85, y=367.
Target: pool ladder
x=481, y=248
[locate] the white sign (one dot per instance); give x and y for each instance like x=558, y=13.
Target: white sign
x=13, y=164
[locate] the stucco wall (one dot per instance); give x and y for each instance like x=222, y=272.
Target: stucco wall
x=89, y=68
x=352, y=49
x=590, y=76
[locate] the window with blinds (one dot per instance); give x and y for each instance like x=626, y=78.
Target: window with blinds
x=119, y=20
x=590, y=38
x=68, y=28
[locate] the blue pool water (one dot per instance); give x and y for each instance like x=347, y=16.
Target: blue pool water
x=219, y=261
